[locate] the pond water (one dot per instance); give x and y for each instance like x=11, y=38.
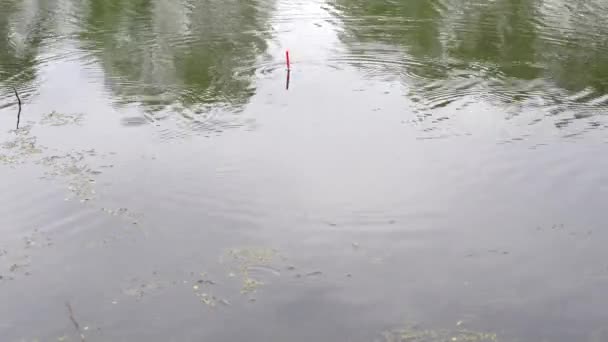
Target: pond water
x=435, y=170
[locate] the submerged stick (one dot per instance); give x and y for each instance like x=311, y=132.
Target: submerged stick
x=288, y=63
x=19, y=102
x=74, y=321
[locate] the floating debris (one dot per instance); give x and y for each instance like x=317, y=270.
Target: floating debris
x=75, y=322
x=20, y=148
x=205, y=282
x=251, y=256
x=61, y=119
x=250, y=285
x=208, y=299
x=74, y=166
x=314, y=274
x=248, y=258
x=19, y=103
x=416, y=334
x=124, y=213
x=37, y=240
x=142, y=289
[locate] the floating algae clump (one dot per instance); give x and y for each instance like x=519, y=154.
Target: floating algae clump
x=413, y=334
x=60, y=119
x=245, y=259
x=75, y=168
x=20, y=148
x=252, y=256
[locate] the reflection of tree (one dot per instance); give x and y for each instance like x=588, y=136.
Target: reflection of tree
x=22, y=31
x=501, y=44
x=156, y=52
x=577, y=56
x=500, y=33
x=408, y=25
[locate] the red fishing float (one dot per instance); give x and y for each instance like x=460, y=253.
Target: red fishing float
x=287, y=60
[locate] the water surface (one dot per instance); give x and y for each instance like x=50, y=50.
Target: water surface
x=434, y=172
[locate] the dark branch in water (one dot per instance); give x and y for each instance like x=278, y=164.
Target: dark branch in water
x=18, y=101
x=74, y=321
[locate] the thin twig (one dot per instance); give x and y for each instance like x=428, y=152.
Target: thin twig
x=19, y=101
x=74, y=321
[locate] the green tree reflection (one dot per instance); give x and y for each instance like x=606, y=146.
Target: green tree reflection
x=24, y=27
x=184, y=53
x=502, y=44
